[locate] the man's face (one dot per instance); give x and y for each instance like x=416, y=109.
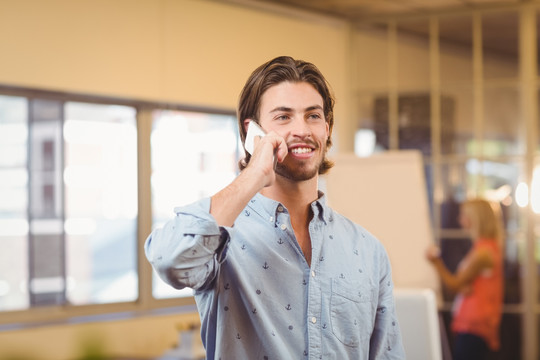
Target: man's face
x=295, y=111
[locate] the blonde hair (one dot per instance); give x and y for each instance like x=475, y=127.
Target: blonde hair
x=485, y=217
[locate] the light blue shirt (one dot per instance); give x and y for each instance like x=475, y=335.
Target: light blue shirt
x=259, y=299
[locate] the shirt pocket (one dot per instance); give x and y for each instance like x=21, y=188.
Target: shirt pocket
x=351, y=312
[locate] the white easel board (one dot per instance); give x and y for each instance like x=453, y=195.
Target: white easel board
x=386, y=194
x=418, y=319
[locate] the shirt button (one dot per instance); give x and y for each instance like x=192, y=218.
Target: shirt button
x=271, y=219
x=280, y=208
x=283, y=226
x=314, y=319
x=313, y=273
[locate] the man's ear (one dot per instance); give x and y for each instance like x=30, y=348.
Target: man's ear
x=328, y=131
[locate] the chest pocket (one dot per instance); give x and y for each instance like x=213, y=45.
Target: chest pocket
x=351, y=312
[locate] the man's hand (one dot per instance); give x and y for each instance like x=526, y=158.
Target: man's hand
x=268, y=150
x=227, y=204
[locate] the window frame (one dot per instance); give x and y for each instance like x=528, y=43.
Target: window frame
x=145, y=303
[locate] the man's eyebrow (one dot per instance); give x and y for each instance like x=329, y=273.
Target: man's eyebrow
x=288, y=109
x=281, y=108
x=315, y=107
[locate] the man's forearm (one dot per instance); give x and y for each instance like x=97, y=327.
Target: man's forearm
x=228, y=203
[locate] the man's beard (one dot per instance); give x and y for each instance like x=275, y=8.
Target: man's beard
x=298, y=173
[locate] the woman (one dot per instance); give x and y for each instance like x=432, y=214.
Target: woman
x=478, y=282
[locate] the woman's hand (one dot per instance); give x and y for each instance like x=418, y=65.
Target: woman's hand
x=433, y=253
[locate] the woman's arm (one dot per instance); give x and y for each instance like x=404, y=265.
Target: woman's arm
x=476, y=261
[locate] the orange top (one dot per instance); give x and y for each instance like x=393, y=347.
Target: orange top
x=479, y=310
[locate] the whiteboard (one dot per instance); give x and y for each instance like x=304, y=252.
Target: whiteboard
x=386, y=194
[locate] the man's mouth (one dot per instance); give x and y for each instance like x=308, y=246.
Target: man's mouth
x=301, y=150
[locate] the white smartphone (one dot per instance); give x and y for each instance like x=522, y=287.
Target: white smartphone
x=253, y=130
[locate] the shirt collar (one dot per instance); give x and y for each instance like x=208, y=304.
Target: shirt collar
x=269, y=208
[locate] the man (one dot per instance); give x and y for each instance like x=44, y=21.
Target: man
x=278, y=274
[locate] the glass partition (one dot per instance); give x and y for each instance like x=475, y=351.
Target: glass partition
x=456, y=51
x=500, y=45
x=503, y=127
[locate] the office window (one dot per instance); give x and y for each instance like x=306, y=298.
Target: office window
x=69, y=203
x=193, y=155
x=47, y=282
x=100, y=179
x=14, y=203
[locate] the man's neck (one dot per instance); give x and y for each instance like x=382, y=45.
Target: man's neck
x=297, y=196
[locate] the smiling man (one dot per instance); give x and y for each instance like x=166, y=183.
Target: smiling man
x=276, y=273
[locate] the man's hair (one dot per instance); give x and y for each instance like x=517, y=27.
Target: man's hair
x=274, y=72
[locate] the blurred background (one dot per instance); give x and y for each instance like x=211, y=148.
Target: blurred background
x=114, y=112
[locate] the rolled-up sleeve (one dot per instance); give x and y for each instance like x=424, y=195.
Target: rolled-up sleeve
x=187, y=250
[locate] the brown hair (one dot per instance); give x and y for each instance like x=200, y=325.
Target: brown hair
x=274, y=72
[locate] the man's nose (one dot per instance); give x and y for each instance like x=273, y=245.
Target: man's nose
x=300, y=128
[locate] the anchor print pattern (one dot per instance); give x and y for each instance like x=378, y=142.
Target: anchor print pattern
x=269, y=260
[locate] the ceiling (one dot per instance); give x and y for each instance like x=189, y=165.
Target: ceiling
x=500, y=31
x=363, y=9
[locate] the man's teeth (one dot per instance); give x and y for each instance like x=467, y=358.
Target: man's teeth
x=300, y=150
